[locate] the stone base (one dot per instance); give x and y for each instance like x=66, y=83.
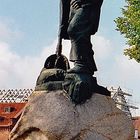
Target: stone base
x=52, y=116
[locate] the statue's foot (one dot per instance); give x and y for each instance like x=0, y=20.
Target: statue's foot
x=78, y=95
x=78, y=69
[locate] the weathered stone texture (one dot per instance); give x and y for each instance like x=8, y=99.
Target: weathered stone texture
x=52, y=116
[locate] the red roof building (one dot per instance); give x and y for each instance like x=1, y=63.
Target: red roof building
x=9, y=115
x=136, y=122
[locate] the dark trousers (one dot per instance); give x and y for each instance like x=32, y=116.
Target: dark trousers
x=79, y=30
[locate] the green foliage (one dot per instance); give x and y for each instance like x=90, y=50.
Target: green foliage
x=129, y=26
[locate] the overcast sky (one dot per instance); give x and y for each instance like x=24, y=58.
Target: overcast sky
x=28, y=34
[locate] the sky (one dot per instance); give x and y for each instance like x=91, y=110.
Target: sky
x=28, y=35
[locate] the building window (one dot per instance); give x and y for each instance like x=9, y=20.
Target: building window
x=1, y=119
x=136, y=134
x=9, y=109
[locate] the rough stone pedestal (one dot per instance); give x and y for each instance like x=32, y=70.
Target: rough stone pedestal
x=52, y=116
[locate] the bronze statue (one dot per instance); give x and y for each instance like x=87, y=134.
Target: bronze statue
x=80, y=20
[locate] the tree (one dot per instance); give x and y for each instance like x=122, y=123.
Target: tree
x=129, y=26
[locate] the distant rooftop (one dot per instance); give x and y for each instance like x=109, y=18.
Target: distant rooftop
x=9, y=115
x=15, y=95
x=10, y=110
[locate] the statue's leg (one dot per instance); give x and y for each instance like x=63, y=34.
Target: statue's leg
x=79, y=31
